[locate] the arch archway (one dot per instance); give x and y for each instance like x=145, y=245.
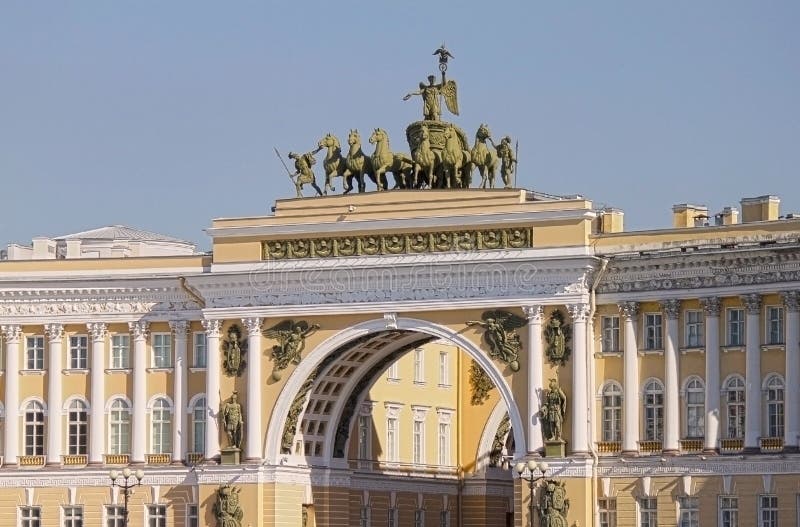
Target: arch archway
x=379, y=339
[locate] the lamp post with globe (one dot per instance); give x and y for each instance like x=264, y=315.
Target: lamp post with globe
x=531, y=466
x=126, y=484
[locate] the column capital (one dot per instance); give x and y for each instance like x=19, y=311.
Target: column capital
x=55, y=332
x=791, y=300
x=139, y=329
x=12, y=333
x=752, y=303
x=97, y=330
x=212, y=327
x=578, y=312
x=711, y=305
x=179, y=327
x=534, y=313
x=253, y=326
x=628, y=309
x=671, y=308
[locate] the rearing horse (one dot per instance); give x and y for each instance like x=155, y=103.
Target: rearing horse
x=383, y=161
x=483, y=157
x=357, y=164
x=334, y=162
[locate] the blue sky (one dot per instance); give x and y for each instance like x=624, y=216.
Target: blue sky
x=163, y=115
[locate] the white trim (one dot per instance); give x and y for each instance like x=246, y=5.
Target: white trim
x=193, y=401
x=30, y=399
x=157, y=396
x=685, y=383
x=768, y=376
x=75, y=397
x=114, y=397
x=606, y=384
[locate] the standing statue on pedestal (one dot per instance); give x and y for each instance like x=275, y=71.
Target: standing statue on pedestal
x=233, y=421
x=430, y=93
x=553, y=412
x=507, y=160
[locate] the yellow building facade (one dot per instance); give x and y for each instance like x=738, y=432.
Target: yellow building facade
x=681, y=378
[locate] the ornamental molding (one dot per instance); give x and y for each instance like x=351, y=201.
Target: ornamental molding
x=699, y=467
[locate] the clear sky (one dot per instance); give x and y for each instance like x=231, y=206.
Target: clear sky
x=164, y=115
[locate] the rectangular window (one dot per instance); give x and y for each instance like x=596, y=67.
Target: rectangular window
x=30, y=516
x=728, y=511
x=694, y=329
x=162, y=350
x=419, y=366
x=774, y=331
x=391, y=439
x=200, y=350
x=192, y=516
x=419, y=518
x=73, y=516
x=364, y=437
x=419, y=442
x=365, y=515
x=392, y=518
x=648, y=517
x=444, y=444
x=653, y=331
x=736, y=327
x=444, y=519
x=444, y=368
x=393, y=373
x=689, y=515
x=79, y=352
x=608, y=512
x=767, y=511
x=610, y=328
x=156, y=516
x=120, y=352
x=695, y=413
x=115, y=516
x=34, y=353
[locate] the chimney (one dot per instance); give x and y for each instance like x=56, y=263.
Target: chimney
x=44, y=248
x=611, y=220
x=728, y=216
x=761, y=208
x=688, y=215
x=73, y=249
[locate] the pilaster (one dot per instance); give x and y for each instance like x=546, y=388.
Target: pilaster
x=12, y=335
x=139, y=331
x=711, y=307
x=212, y=328
x=792, y=407
x=180, y=329
x=580, y=411
x=97, y=428
x=55, y=338
x=253, y=423
x=752, y=428
x=672, y=415
x=630, y=386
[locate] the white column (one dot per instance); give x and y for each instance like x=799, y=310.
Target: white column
x=180, y=330
x=792, y=400
x=212, y=328
x=630, y=377
x=672, y=409
x=97, y=428
x=12, y=335
x=752, y=372
x=252, y=448
x=139, y=331
x=580, y=399
x=711, y=306
x=535, y=387
x=55, y=337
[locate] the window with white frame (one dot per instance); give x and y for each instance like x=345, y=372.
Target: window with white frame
x=444, y=519
x=774, y=329
x=393, y=372
x=34, y=353
x=648, y=515
x=610, y=329
x=774, y=401
x=612, y=412
x=444, y=444
x=364, y=437
x=161, y=423
x=767, y=510
x=419, y=366
x=77, y=428
x=365, y=516
x=157, y=516
x=694, y=329
x=120, y=352
x=607, y=512
x=34, y=429
x=392, y=440
x=653, y=410
x=119, y=421
x=695, y=408
x=199, y=426
x=735, y=327
x=444, y=368
x=689, y=511
x=393, y=517
x=73, y=516
x=162, y=350
x=200, y=356
x=735, y=407
x=728, y=511
x=115, y=516
x=79, y=352
x=30, y=516
x=419, y=518
x=653, y=331
x=192, y=517
x=419, y=442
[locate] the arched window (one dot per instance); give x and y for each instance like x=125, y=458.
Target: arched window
x=199, y=426
x=612, y=412
x=34, y=429
x=161, y=421
x=695, y=408
x=734, y=403
x=653, y=410
x=775, y=390
x=77, y=428
x=120, y=422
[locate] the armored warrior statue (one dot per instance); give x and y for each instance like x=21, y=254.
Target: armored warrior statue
x=507, y=160
x=303, y=172
x=233, y=420
x=553, y=411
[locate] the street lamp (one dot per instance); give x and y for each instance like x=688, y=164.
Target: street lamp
x=531, y=465
x=126, y=484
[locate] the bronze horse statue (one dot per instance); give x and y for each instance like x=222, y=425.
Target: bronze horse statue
x=357, y=164
x=334, y=163
x=483, y=157
x=455, y=161
x=426, y=161
x=384, y=160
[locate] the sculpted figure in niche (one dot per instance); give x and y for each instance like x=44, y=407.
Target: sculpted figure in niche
x=233, y=420
x=553, y=411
